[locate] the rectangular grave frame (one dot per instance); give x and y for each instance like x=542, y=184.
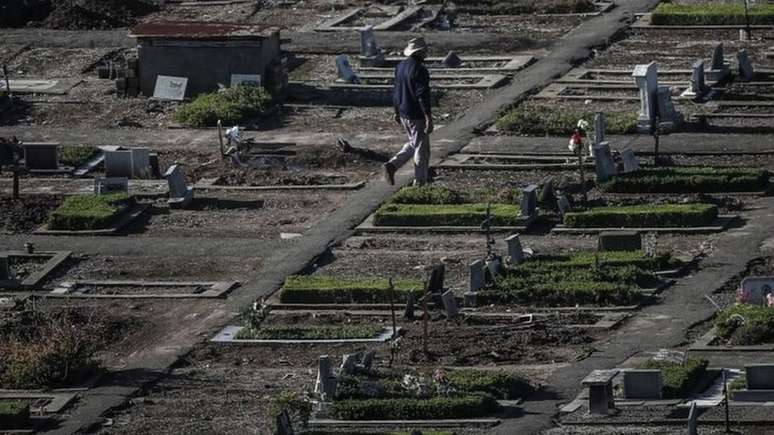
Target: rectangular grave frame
x=126, y=218
x=486, y=81
x=645, y=22
x=368, y=227
x=70, y=289
x=210, y=184
x=58, y=401
x=578, y=78
x=460, y=161
x=56, y=259
x=227, y=335
x=81, y=186
x=61, y=86
x=721, y=224
x=337, y=24
x=704, y=345
x=513, y=64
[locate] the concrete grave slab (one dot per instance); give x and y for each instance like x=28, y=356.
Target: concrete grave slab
x=368, y=227
x=106, y=185
x=442, y=81
x=229, y=333
x=85, y=289
x=122, y=222
x=619, y=241
x=339, y=22
x=43, y=402
x=54, y=259
x=41, y=86
x=486, y=64
x=80, y=186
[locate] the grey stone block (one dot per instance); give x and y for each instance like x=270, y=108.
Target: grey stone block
x=760, y=376
x=642, y=384
x=619, y=241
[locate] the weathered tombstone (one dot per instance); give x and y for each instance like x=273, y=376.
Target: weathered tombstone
x=477, y=278
x=345, y=70
x=118, y=163
x=529, y=201
x=642, y=384
x=619, y=241
x=547, y=195
x=180, y=194
x=368, y=359
x=698, y=86
x=600, y=384
x=600, y=125
x=515, y=251
x=452, y=60
x=693, y=420
x=410, y=303
x=757, y=288
x=669, y=118
x=370, y=54
x=107, y=185
x=349, y=363
x=745, y=66
x=450, y=304
x=720, y=69
x=563, y=204
x=630, y=161
x=170, y=88
x=5, y=268
x=646, y=77
x=140, y=162
x=325, y=386
x=603, y=162
x=284, y=427
x=759, y=376
x=435, y=284
x=41, y=156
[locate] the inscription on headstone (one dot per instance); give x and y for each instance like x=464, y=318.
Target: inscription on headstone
x=170, y=88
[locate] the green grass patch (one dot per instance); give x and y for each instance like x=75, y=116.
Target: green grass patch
x=88, y=212
x=746, y=324
x=318, y=289
x=688, y=180
x=235, y=105
x=472, y=406
x=446, y=215
x=75, y=156
x=327, y=332
x=427, y=194
x=530, y=119
x=498, y=384
x=562, y=293
x=657, y=216
x=657, y=262
x=711, y=14
x=679, y=379
x=13, y=407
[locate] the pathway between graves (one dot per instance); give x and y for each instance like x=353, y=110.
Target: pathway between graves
x=154, y=363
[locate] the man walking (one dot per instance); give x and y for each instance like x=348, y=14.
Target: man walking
x=411, y=99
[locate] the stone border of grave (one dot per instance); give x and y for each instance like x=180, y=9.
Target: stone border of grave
x=721, y=224
x=645, y=23
x=460, y=161
x=368, y=227
x=229, y=333
x=209, y=184
x=76, y=290
x=705, y=345
x=513, y=64
x=32, y=86
x=336, y=24
x=485, y=81
x=126, y=218
x=57, y=403
x=57, y=258
x=329, y=424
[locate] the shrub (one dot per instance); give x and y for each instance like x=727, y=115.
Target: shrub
x=88, y=212
x=746, y=324
x=679, y=379
x=232, y=106
x=660, y=216
x=498, y=384
x=412, y=409
x=446, y=215
x=530, y=119
x=426, y=195
x=327, y=332
x=316, y=289
x=709, y=14
x=688, y=180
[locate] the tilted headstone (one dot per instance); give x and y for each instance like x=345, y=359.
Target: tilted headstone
x=349, y=363
x=107, y=185
x=140, y=163
x=180, y=194
x=630, y=161
x=325, y=386
x=41, y=156
x=436, y=282
x=698, y=85
x=757, y=288
x=5, y=268
x=170, y=88
x=642, y=384
x=118, y=163
x=368, y=359
x=529, y=201
x=718, y=57
x=745, y=65
x=345, y=70
x=515, y=250
x=759, y=376
x=563, y=204
x=600, y=125
x=410, y=303
x=603, y=162
x=619, y=241
x=547, y=195
x=284, y=427
x=493, y=269
x=370, y=54
x=693, y=420
x=452, y=60
x=477, y=277
x=646, y=77
x=669, y=118
x=720, y=69
x=450, y=304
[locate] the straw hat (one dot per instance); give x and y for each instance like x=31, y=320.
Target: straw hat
x=416, y=45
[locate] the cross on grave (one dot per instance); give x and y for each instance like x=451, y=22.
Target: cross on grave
x=345, y=70
x=180, y=194
x=746, y=70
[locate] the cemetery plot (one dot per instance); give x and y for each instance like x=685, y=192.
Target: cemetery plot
x=115, y=289
x=25, y=412
x=93, y=215
x=479, y=64
x=377, y=81
x=688, y=179
x=380, y=17
x=23, y=270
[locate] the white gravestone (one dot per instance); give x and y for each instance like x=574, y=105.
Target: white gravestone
x=646, y=77
x=180, y=194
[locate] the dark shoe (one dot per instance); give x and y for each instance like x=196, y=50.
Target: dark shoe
x=389, y=173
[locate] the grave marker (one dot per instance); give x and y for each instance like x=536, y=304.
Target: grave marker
x=349, y=363
x=698, y=85
x=745, y=66
x=720, y=68
x=619, y=241
x=118, y=163
x=370, y=54
x=693, y=419
x=515, y=251
x=450, y=304
x=5, y=269
x=642, y=384
x=646, y=77
x=529, y=201
x=547, y=195
x=563, y=204
x=345, y=70
x=603, y=162
x=107, y=185
x=140, y=162
x=246, y=80
x=477, y=277
x=452, y=60
x=600, y=125
x=368, y=359
x=600, y=384
x=757, y=288
x=435, y=284
x=180, y=194
x=670, y=119
x=630, y=160
x=325, y=386
x=759, y=376
x=41, y=156
x=170, y=88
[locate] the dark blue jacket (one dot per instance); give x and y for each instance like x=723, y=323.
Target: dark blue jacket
x=411, y=96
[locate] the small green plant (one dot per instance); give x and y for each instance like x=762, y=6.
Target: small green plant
x=320, y=289
x=88, y=212
x=679, y=379
x=232, y=106
x=711, y=14
x=498, y=384
x=746, y=324
x=446, y=215
x=657, y=216
x=538, y=120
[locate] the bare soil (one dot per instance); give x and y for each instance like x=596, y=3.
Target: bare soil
x=25, y=214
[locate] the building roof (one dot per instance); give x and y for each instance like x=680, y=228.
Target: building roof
x=199, y=30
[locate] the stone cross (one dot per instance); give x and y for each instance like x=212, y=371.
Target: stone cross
x=599, y=127
x=529, y=201
x=345, y=70
x=325, y=386
x=450, y=304
x=745, y=66
x=630, y=160
x=106, y=185
x=452, y=60
x=5, y=268
x=646, y=77
x=180, y=194
x=515, y=251
x=477, y=276
x=603, y=162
